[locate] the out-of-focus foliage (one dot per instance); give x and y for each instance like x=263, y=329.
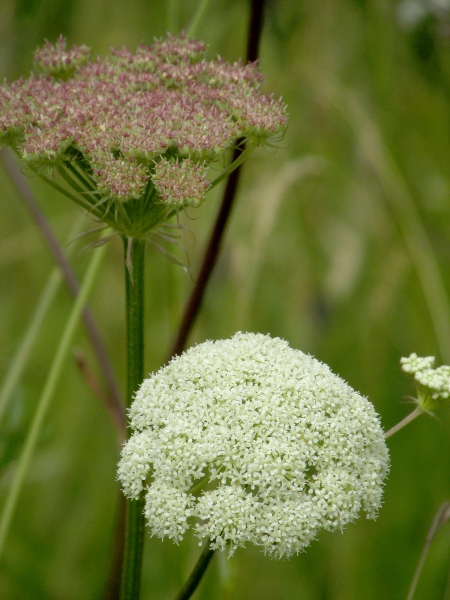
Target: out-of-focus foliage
x=339, y=243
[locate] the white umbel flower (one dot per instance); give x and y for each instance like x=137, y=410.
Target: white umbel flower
x=414, y=364
x=432, y=383
x=247, y=440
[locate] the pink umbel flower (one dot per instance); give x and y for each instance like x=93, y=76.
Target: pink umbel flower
x=133, y=133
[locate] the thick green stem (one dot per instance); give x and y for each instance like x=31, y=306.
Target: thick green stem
x=134, y=522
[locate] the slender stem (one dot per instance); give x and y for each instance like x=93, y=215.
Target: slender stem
x=134, y=520
x=238, y=159
x=196, y=19
x=215, y=241
x=415, y=413
x=22, y=355
x=197, y=573
x=82, y=177
x=44, y=401
x=442, y=515
x=209, y=262
x=72, y=183
x=112, y=587
x=255, y=29
x=114, y=397
x=84, y=205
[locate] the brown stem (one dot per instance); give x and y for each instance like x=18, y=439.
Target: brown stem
x=215, y=241
x=112, y=587
x=255, y=29
x=209, y=261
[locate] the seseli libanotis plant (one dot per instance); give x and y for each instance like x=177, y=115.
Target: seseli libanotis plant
x=132, y=134
x=247, y=440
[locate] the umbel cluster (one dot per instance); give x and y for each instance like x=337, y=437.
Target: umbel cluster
x=247, y=440
x=135, y=131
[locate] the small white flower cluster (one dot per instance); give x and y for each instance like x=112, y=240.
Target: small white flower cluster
x=247, y=440
x=414, y=364
x=432, y=382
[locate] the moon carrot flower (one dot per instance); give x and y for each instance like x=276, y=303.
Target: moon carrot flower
x=247, y=440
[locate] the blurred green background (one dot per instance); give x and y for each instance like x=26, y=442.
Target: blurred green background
x=339, y=243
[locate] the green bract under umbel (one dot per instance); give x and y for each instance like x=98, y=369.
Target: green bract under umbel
x=247, y=440
x=132, y=134
x=432, y=383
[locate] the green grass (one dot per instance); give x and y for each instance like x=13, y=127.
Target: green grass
x=339, y=243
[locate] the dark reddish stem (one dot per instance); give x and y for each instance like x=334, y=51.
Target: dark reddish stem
x=215, y=241
x=209, y=261
x=255, y=29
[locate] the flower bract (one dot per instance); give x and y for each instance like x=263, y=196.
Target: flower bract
x=247, y=440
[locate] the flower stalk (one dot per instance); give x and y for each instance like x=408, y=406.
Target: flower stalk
x=197, y=573
x=134, y=250
x=415, y=413
x=234, y=171
x=432, y=387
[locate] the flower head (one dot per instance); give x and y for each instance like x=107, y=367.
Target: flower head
x=432, y=384
x=249, y=441
x=56, y=60
x=121, y=128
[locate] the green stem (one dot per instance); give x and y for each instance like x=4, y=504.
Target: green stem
x=134, y=523
x=197, y=18
x=234, y=165
x=415, y=413
x=82, y=177
x=442, y=515
x=44, y=401
x=75, y=199
x=23, y=353
x=195, y=577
